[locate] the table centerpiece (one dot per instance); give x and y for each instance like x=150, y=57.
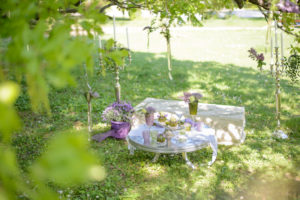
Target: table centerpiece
x=192, y=99
x=119, y=115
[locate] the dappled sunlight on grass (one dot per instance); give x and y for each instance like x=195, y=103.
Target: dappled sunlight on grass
x=153, y=171
x=265, y=184
x=100, y=126
x=238, y=170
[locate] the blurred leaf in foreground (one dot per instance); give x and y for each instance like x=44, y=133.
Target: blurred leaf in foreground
x=9, y=120
x=68, y=161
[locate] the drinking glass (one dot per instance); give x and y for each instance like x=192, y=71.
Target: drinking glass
x=149, y=118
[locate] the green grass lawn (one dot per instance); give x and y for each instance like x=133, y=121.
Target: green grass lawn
x=217, y=64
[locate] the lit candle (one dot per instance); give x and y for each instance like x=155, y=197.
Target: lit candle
x=276, y=41
x=127, y=37
x=114, y=28
x=271, y=47
x=281, y=45
x=100, y=46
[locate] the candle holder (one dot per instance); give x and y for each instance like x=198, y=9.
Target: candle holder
x=272, y=59
x=193, y=108
x=162, y=117
x=278, y=132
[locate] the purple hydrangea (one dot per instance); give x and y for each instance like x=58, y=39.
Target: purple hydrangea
x=150, y=109
x=197, y=95
x=188, y=97
x=122, y=106
x=190, y=121
x=118, y=111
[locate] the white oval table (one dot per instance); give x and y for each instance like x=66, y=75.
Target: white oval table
x=191, y=141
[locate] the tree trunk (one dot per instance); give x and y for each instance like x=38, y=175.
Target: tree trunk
x=90, y=123
x=169, y=55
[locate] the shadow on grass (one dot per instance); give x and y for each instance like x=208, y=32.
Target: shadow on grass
x=135, y=177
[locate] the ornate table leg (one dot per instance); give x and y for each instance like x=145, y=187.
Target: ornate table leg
x=155, y=157
x=187, y=161
x=214, y=156
x=130, y=147
x=214, y=145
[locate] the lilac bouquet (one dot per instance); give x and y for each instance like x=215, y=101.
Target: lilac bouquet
x=149, y=115
x=258, y=57
x=118, y=111
x=191, y=97
x=190, y=121
x=148, y=110
x=162, y=117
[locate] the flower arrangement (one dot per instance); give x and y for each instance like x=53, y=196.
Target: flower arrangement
x=148, y=110
x=118, y=111
x=161, y=138
x=188, y=124
x=149, y=115
x=162, y=117
x=258, y=57
x=189, y=121
x=173, y=121
x=191, y=97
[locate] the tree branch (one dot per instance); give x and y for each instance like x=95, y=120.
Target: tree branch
x=279, y=26
x=283, y=6
x=69, y=10
x=105, y=7
x=125, y=5
x=261, y=3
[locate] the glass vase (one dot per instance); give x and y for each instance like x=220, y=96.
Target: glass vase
x=193, y=107
x=149, y=118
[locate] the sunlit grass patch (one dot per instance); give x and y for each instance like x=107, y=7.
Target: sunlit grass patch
x=204, y=62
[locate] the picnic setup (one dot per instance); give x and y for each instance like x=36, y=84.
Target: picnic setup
x=174, y=137
x=178, y=127
x=142, y=99
x=208, y=131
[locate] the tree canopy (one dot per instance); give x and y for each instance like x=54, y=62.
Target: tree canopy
x=39, y=50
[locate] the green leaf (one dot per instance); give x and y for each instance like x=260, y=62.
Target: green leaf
x=9, y=122
x=9, y=174
x=9, y=91
x=68, y=161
